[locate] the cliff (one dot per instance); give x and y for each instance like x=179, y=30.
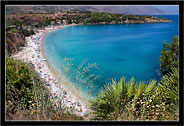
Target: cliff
x=14, y=42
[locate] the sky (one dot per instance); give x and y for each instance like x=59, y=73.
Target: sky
x=170, y=9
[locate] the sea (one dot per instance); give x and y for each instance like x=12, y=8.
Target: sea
x=88, y=57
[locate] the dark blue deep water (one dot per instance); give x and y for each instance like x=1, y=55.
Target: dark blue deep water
x=129, y=50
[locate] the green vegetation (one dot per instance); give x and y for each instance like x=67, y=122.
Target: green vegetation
x=17, y=26
x=130, y=100
x=27, y=32
x=169, y=89
x=170, y=56
x=121, y=99
x=27, y=98
x=42, y=20
x=106, y=18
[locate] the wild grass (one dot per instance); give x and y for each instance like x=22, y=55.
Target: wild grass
x=82, y=73
x=27, y=97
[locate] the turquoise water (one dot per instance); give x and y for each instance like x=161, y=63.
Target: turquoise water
x=129, y=50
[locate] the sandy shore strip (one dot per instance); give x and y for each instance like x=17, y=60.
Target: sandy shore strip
x=33, y=54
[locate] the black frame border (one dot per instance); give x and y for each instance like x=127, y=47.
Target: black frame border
x=181, y=11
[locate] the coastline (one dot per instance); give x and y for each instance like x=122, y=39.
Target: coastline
x=58, y=88
x=33, y=53
x=51, y=70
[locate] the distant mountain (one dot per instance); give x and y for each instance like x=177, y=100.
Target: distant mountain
x=170, y=9
x=142, y=10
x=133, y=10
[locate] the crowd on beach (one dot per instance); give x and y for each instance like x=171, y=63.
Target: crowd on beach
x=33, y=55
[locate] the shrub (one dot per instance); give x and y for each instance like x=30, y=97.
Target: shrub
x=27, y=98
x=170, y=56
x=121, y=97
x=122, y=100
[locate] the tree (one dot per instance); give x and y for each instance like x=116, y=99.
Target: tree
x=169, y=58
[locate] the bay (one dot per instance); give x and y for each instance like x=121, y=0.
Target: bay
x=129, y=50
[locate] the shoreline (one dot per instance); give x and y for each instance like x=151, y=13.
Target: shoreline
x=53, y=71
x=56, y=86
x=33, y=53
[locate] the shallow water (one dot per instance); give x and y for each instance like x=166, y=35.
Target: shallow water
x=129, y=50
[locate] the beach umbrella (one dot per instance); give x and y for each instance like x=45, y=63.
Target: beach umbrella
x=47, y=84
x=78, y=103
x=56, y=97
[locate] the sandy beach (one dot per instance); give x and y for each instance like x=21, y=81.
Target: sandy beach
x=33, y=53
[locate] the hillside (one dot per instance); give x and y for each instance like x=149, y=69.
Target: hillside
x=135, y=10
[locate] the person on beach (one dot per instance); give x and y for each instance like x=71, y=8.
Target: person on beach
x=32, y=54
